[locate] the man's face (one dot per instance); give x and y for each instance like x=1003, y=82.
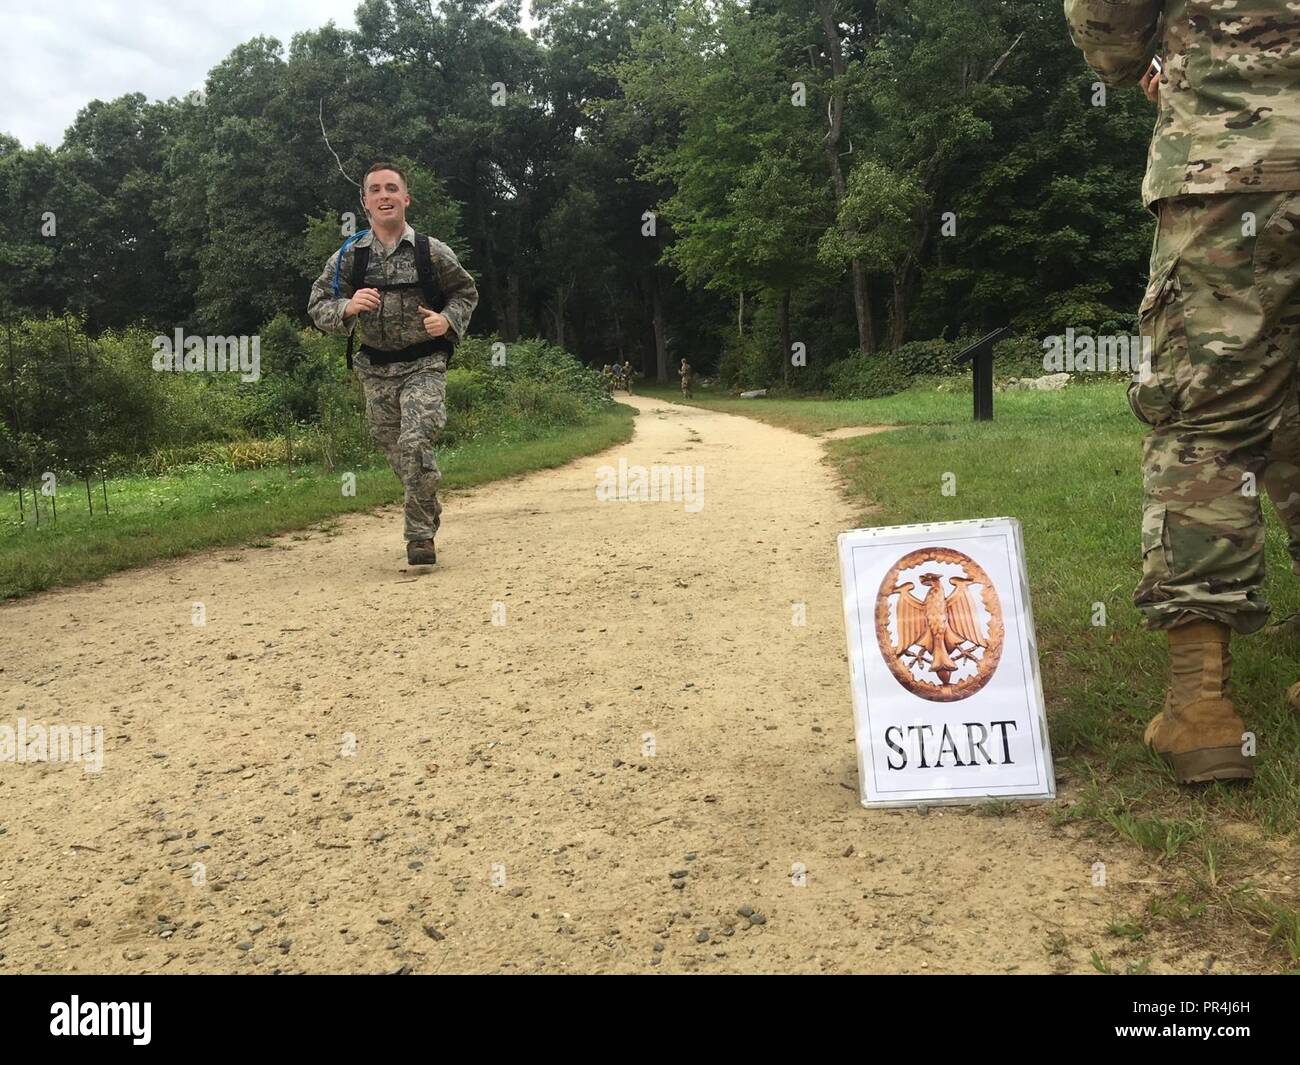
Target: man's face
x=386, y=198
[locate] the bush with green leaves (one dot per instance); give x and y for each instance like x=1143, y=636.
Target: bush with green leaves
x=532, y=359
x=73, y=405
x=476, y=404
x=746, y=362
x=862, y=376
x=1018, y=356
x=83, y=404
x=928, y=358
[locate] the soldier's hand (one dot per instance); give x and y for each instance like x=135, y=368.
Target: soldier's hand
x=1151, y=82
x=435, y=324
x=364, y=299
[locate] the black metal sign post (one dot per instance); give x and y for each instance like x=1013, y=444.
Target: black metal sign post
x=980, y=356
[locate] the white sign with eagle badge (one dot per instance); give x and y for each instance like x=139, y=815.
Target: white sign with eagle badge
x=947, y=698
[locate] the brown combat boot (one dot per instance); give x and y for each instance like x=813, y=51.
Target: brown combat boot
x=1199, y=733
x=420, y=553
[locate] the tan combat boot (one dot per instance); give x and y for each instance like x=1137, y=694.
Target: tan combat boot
x=1199, y=733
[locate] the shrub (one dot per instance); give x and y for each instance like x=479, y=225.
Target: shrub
x=927, y=358
x=1018, y=356
x=345, y=436
x=83, y=404
x=470, y=389
x=745, y=363
x=532, y=359
x=863, y=376
x=534, y=401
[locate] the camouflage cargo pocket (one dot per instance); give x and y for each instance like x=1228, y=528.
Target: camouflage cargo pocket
x=1156, y=566
x=1161, y=325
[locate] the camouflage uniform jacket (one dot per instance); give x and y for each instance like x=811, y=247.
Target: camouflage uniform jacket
x=1229, y=117
x=398, y=322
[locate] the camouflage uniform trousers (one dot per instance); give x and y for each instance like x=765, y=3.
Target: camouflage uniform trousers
x=1222, y=311
x=406, y=413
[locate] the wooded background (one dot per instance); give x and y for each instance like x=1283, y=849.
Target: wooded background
x=782, y=214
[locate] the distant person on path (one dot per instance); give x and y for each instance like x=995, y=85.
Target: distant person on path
x=1221, y=313
x=413, y=301
x=685, y=371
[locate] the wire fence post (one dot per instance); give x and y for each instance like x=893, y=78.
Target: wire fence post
x=13, y=395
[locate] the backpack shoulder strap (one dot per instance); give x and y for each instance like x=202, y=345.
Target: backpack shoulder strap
x=360, y=260
x=361, y=254
x=428, y=281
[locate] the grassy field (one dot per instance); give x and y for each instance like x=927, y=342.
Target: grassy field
x=163, y=517
x=1067, y=464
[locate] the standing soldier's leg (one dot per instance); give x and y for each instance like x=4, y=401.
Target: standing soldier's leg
x=423, y=416
x=1222, y=366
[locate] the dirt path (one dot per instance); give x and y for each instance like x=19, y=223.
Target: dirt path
x=516, y=752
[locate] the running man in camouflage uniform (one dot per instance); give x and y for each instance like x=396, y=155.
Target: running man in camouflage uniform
x=685, y=372
x=403, y=368
x=1221, y=309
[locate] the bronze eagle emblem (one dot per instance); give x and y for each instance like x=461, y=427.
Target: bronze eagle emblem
x=937, y=625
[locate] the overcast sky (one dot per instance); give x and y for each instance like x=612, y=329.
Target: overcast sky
x=58, y=55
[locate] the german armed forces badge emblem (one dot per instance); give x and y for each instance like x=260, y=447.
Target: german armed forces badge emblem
x=939, y=624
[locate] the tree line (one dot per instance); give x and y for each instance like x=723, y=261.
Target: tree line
x=648, y=179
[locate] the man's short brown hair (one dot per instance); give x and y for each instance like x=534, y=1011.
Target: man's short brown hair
x=383, y=165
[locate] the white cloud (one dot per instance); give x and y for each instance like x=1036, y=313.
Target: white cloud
x=58, y=56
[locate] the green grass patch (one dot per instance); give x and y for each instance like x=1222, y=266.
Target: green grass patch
x=1129, y=929
x=1067, y=465
x=202, y=507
